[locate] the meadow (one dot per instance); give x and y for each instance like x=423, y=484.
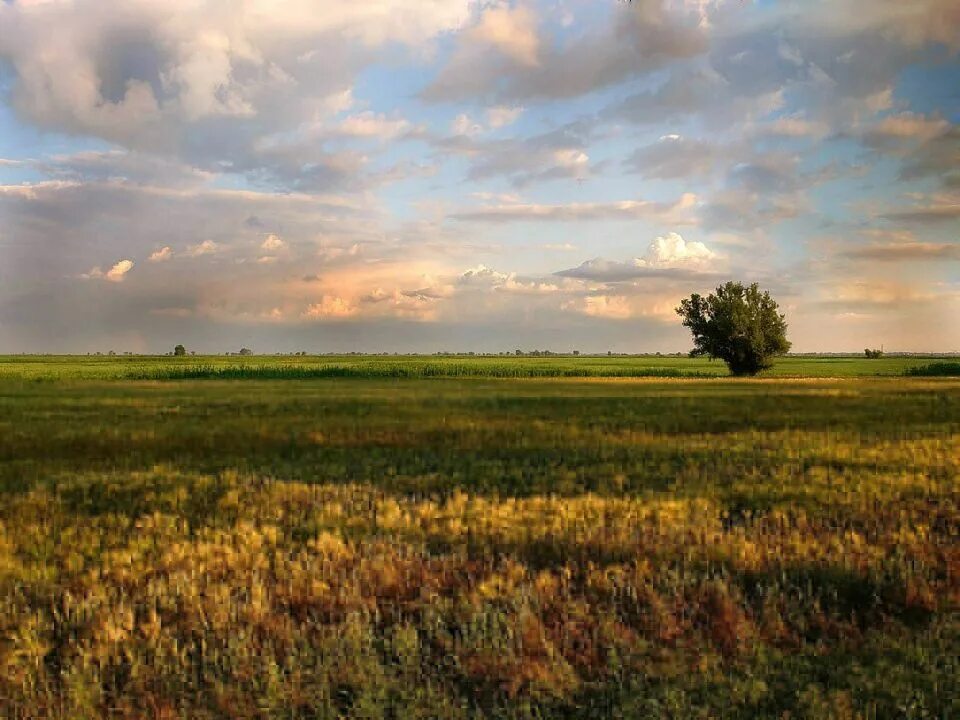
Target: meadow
x=274, y=542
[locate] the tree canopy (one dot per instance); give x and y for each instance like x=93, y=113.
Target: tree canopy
x=738, y=324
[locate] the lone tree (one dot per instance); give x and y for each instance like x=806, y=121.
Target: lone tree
x=179, y=350
x=740, y=325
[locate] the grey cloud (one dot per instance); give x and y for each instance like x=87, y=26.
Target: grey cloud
x=185, y=81
x=745, y=211
x=610, y=271
x=937, y=157
x=835, y=60
x=930, y=214
x=676, y=157
x=121, y=165
x=911, y=251
x=673, y=213
x=640, y=37
x=560, y=153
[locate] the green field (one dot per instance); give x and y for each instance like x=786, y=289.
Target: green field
x=389, y=544
x=145, y=367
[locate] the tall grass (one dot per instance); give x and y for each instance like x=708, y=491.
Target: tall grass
x=401, y=370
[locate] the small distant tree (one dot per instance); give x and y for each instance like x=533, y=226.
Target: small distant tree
x=738, y=324
x=179, y=350
x=873, y=354
x=246, y=351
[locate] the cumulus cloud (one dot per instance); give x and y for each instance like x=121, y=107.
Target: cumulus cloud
x=115, y=274
x=161, y=255
x=668, y=256
x=330, y=308
x=207, y=247
x=273, y=242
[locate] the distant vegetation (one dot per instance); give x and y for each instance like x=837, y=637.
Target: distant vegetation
x=937, y=369
x=873, y=354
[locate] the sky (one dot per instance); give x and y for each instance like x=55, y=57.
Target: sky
x=463, y=175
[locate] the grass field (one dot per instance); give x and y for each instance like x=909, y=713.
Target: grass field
x=290, y=545
x=142, y=367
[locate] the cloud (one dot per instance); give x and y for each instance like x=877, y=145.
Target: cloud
x=795, y=127
x=635, y=39
x=557, y=154
x=512, y=31
x=161, y=255
x=373, y=125
x=330, y=308
x=119, y=271
x=939, y=208
x=273, y=242
x=671, y=249
x=201, y=81
x=624, y=307
x=463, y=126
x=676, y=212
x=905, y=126
x=501, y=116
x=115, y=274
x=207, y=247
x=122, y=165
x=673, y=156
x=668, y=256
x=906, y=252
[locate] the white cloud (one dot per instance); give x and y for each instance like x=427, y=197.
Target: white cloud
x=115, y=274
x=623, y=307
x=119, y=270
x=668, y=256
x=672, y=250
x=501, y=116
x=207, y=247
x=273, y=242
x=512, y=31
x=463, y=126
x=161, y=255
x=373, y=125
x=330, y=308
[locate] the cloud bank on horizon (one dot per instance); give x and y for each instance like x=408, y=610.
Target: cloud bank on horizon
x=417, y=175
